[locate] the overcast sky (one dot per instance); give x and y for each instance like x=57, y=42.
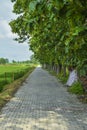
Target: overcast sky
x=8, y=47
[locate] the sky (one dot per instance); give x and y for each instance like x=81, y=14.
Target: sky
x=10, y=48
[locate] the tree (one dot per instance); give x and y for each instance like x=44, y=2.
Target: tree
x=33, y=59
x=56, y=30
x=13, y=61
x=4, y=60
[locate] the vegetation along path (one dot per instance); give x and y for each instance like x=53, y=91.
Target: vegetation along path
x=42, y=103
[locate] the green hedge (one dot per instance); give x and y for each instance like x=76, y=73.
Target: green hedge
x=9, y=77
x=2, y=83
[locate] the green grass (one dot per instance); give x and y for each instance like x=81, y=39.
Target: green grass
x=11, y=72
x=76, y=88
x=62, y=78
x=12, y=67
x=9, y=89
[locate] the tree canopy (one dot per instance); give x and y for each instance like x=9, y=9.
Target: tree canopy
x=56, y=30
x=4, y=60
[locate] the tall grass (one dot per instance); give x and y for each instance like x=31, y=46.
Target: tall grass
x=11, y=72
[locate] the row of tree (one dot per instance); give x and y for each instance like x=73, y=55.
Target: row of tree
x=4, y=61
x=56, y=31
x=32, y=60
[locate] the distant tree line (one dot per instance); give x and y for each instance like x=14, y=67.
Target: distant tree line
x=4, y=61
x=32, y=60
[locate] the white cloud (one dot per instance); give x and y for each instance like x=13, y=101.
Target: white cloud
x=6, y=8
x=11, y=35
x=5, y=30
x=8, y=47
x=5, y=17
x=4, y=25
x=1, y=36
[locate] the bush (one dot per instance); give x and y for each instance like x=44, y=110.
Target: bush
x=9, y=77
x=62, y=78
x=20, y=74
x=76, y=88
x=2, y=83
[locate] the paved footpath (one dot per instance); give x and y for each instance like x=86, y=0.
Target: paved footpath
x=42, y=103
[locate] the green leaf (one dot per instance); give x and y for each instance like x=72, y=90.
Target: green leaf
x=32, y=5
x=67, y=42
x=66, y=49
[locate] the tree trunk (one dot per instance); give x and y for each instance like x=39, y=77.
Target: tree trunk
x=64, y=71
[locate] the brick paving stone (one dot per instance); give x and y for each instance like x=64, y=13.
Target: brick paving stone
x=42, y=103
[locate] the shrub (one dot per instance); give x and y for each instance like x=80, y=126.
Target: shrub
x=2, y=83
x=62, y=78
x=20, y=74
x=76, y=88
x=8, y=77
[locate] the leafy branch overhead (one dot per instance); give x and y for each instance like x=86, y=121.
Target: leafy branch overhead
x=56, y=30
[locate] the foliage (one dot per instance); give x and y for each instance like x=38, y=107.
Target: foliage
x=20, y=74
x=10, y=89
x=62, y=78
x=12, y=72
x=56, y=30
x=76, y=88
x=33, y=59
x=4, y=60
x=2, y=83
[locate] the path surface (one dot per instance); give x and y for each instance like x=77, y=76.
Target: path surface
x=42, y=103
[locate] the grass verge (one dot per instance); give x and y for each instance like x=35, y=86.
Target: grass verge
x=62, y=78
x=76, y=88
x=10, y=89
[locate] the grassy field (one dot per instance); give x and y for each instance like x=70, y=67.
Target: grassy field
x=13, y=67
x=11, y=78
x=11, y=72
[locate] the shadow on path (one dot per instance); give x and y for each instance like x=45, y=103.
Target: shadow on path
x=42, y=103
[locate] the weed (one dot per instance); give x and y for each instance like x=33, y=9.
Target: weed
x=76, y=88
